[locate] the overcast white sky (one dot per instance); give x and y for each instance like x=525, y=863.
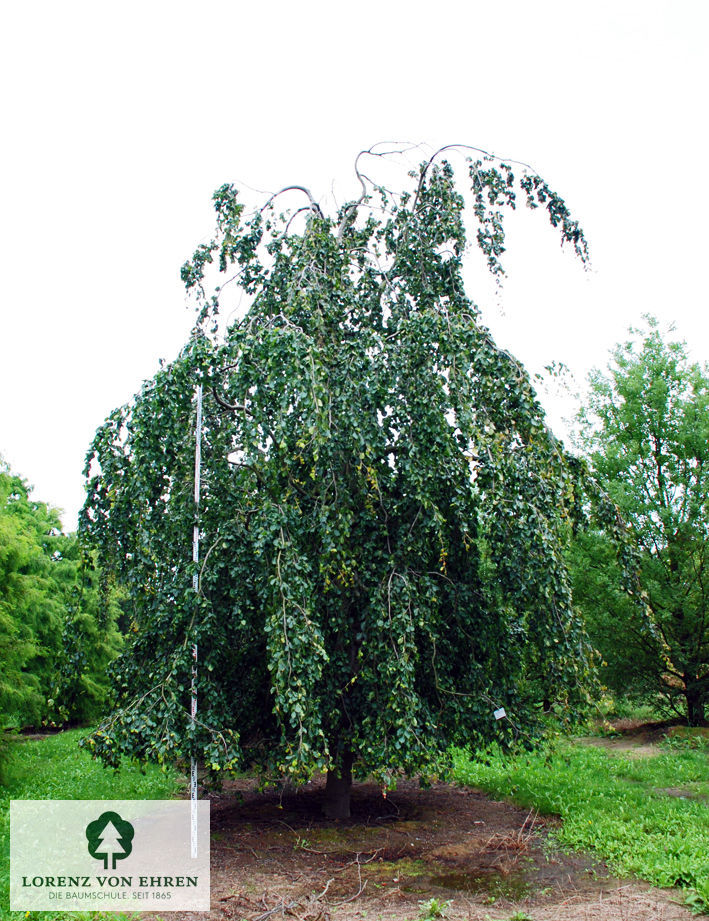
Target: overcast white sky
x=119, y=121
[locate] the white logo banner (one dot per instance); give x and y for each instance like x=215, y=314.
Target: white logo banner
x=109, y=855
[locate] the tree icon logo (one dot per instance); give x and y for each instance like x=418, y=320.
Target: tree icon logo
x=110, y=839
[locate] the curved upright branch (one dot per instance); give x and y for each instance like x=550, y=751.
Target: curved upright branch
x=314, y=206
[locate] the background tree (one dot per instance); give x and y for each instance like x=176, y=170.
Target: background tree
x=92, y=636
x=384, y=511
x=646, y=430
x=55, y=642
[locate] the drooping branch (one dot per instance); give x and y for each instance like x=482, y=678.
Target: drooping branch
x=232, y=407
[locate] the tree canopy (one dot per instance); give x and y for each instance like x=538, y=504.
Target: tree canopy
x=384, y=510
x=646, y=430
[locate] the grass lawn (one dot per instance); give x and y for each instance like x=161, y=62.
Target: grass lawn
x=55, y=768
x=646, y=816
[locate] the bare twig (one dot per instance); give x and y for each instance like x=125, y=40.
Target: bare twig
x=363, y=886
x=324, y=892
x=282, y=907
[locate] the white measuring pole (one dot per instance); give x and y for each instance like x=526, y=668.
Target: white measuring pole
x=195, y=586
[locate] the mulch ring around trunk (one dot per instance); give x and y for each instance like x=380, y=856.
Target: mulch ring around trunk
x=274, y=856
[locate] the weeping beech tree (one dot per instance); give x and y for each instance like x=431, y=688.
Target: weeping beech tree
x=383, y=513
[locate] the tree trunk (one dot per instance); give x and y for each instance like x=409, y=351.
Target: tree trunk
x=695, y=703
x=338, y=788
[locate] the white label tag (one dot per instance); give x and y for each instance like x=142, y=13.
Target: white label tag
x=500, y=714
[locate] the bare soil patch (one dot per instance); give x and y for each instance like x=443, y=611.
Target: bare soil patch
x=638, y=739
x=274, y=857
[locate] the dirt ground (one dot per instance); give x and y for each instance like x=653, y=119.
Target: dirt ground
x=274, y=857
x=638, y=739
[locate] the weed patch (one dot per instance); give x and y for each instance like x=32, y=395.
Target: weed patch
x=613, y=806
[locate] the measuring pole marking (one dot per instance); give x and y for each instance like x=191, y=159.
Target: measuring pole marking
x=195, y=586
